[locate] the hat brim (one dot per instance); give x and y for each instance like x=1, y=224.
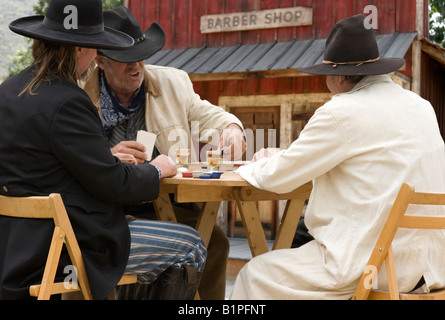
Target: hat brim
x=382, y=66
x=154, y=41
x=33, y=27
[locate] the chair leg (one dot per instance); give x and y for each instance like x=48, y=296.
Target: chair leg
x=392, y=277
x=51, y=264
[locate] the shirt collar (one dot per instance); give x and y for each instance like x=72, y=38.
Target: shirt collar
x=150, y=85
x=370, y=80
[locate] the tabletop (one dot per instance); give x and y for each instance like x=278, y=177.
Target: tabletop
x=231, y=187
x=226, y=179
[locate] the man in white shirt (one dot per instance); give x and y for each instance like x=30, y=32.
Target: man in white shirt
x=357, y=150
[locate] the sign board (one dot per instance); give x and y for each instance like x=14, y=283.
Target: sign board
x=265, y=19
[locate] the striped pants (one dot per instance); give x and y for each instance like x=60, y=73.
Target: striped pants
x=157, y=246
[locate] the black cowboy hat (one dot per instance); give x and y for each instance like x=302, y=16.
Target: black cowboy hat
x=351, y=49
x=146, y=43
x=73, y=22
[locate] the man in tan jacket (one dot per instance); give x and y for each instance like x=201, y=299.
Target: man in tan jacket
x=132, y=96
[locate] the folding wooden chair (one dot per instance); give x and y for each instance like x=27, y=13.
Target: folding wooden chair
x=52, y=207
x=383, y=250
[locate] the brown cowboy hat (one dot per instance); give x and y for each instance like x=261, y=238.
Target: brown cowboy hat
x=351, y=49
x=146, y=43
x=87, y=30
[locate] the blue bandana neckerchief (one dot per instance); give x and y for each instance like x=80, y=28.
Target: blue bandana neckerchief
x=113, y=112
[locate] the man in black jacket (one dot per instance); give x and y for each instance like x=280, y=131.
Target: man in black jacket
x=53, y=142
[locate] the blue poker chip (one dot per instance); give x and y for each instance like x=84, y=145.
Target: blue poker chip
x=205, y=177
x=216, y=175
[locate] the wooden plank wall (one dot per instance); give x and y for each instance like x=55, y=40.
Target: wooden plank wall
x=181, y=19
x=212, y=90
x=181, y=22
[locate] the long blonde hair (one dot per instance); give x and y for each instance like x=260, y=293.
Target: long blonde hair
x=52, y=61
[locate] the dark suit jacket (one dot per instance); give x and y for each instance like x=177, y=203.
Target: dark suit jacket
x=53, y=142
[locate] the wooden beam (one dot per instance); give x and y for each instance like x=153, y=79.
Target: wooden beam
x=272, y=100
x=248, y=75
x=417, y=48
x=434, y=51
x=286, y=125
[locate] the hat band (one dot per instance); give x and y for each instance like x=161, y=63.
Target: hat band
x=99, y=28
x=357, y=63
x=141, y=39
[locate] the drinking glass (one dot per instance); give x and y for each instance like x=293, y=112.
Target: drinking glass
x=213, y=159
x=182, y=158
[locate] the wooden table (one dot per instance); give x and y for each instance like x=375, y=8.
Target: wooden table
x=231, y=187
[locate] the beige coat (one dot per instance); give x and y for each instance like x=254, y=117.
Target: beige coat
x=174, y=111
x=357, y=149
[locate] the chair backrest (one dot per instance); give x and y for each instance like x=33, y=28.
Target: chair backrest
x=51, y=207
x=383, y=250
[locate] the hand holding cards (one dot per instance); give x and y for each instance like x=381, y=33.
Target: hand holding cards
x=148, y=140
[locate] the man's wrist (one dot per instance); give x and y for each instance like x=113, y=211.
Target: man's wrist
x=159, y=171
x=157, y=168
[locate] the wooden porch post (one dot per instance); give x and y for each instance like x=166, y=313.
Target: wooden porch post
x=417, y=47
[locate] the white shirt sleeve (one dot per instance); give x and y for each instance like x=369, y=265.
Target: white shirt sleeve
x=320, y=147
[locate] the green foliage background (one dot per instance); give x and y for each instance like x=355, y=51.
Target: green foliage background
x=437, y=21
x=9, y=41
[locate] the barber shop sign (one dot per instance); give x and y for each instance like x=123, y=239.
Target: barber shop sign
x=265, y=19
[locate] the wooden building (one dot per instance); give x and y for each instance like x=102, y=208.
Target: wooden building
x=244, y=55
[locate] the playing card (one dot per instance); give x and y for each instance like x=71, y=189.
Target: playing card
x=148, y=140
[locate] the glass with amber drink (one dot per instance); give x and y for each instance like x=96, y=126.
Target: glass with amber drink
x=182, y=158
x=213, y=160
